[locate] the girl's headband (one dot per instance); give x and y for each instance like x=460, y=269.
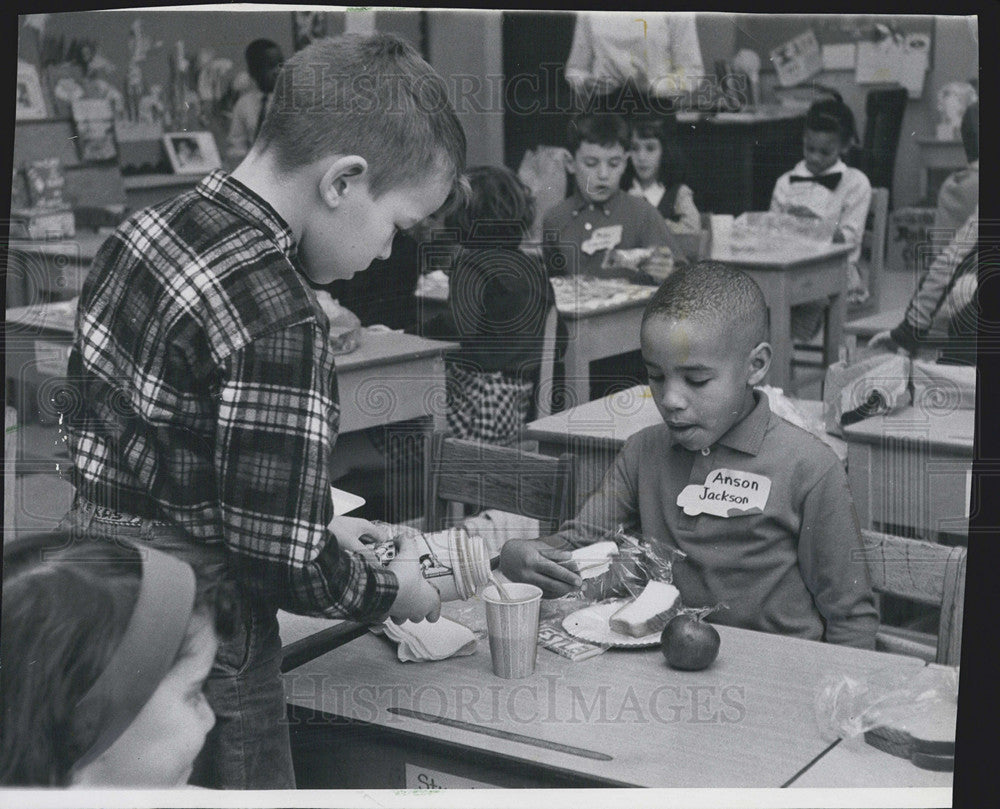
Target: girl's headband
x=146, y=653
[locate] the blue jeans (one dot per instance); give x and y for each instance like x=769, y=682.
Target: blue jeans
x=249, y=746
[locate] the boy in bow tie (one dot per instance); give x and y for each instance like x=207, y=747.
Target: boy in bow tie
x=822, y=186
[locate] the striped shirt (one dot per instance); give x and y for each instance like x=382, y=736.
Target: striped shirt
x=208, y=396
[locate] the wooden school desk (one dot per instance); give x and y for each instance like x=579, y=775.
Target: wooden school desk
x=911, y=472
x=594, y=432
x=790, y=277
x=390, y=377
x=362, y=719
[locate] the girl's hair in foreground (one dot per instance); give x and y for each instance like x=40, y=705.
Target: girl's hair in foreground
x=673, y=169
x=372, y=96
x=832, y=115
x=500, y=209
x=67, y=603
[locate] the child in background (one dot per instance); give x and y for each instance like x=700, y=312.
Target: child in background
x=790, y=561
x=498, y=300
x=264, y=59
x=959, y=194
x=822, y=186
x=656, y=170
x=598, y=217
x=105, y=651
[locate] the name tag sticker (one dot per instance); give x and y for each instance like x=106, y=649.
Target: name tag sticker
x=726, y=493
x=602, y=239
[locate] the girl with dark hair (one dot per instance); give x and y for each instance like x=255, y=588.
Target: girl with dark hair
x=823, y=187
x=657, y=171
x=105, y=649
x=498, y=299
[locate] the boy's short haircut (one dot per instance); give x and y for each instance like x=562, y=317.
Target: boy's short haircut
x=372, y=96
x=713, y=291
x=500, y=209
x=970, y=131
x=603, y=128
x=832, y=115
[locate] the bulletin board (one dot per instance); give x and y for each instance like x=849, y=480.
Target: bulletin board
x=765, y=32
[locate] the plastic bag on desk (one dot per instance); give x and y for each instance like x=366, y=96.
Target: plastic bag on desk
x=633, y=563
x=871, y=385
x=943, y=388
x=920, y=702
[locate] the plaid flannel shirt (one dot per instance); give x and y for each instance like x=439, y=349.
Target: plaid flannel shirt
x=208, y=396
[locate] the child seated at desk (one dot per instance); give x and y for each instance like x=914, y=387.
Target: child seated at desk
x=106, y=650
x=656, y=171
x=822, y=186
x=790, y=563
x=598, y=217
x=498, y=300
x=959, y=194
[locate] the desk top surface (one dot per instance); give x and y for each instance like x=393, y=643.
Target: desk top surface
x=762, y=114
x=384, y=347
x=612, y=419
x=951, y=429
x=82, y=247
x=791, y=257
x=623, y=717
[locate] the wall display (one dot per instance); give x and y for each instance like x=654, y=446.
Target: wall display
x=30, y=99
x=192, y=152
x=798, y=59
x=94, y=118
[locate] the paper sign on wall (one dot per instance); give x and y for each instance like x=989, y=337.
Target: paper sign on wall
x=798, y=59
x=726, y=493
x=903, y=60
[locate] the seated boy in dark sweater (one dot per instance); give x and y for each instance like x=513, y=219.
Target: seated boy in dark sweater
x=761, y=508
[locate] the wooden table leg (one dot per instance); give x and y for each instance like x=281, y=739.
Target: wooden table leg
x=780, y=375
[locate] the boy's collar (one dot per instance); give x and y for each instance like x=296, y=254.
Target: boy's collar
x=580, y=201
x=222, y=188
x=748, y=435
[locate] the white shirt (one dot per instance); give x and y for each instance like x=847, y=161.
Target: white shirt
x=690, y=219
x=243, y=126
x=846, y=207
x=663, y=57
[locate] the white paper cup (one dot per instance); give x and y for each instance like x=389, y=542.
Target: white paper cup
x=513, y=628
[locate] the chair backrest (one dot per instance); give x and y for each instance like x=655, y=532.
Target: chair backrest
x=925, y=573
x=544, y=389
x=873, y=244
x=504, y=478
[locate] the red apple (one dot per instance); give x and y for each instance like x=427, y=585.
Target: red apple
x=689, y=643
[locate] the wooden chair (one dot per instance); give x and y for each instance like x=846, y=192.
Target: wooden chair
x=873, y=247
x=504, y=478
x=924, y=573
x=544, y=388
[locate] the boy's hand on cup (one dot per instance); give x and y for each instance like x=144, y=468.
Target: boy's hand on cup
x=417, y=598
x=534, y=562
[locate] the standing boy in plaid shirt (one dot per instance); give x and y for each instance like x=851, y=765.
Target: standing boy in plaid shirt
x=208, y=404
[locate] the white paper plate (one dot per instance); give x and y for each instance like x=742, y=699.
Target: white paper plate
x=591, y=624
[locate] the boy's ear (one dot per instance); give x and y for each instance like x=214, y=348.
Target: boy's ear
x=339, y=176
x=569, y=162
x=759, y=363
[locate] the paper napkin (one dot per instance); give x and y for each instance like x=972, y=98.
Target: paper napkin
x=430, y=641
